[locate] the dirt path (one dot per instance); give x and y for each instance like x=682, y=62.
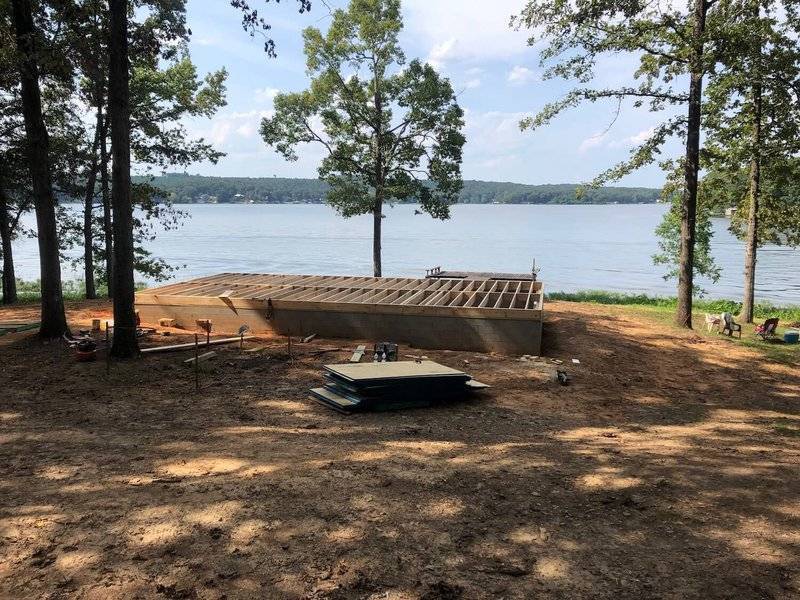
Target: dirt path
x=668, y=469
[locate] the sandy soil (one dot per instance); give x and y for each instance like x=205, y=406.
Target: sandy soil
x=667, y=469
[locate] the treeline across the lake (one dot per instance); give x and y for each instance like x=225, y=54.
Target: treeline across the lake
x=197, y=189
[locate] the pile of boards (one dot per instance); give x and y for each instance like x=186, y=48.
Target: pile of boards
x=392, y=385
x=15, y=327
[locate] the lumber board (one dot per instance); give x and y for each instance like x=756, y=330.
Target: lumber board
x=358, y=354
x=190, y=345
x=201, y=358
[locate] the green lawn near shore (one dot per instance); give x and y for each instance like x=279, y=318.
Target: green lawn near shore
x=662, y=309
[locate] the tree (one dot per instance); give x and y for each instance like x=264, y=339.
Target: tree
x=124, y=344
x=390, y=133
x=672, y=46
x=164, y=89
x=753, y=125
x=13, y=169
x=53, y=317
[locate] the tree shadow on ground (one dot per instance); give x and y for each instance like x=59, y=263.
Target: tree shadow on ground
x=663, y=471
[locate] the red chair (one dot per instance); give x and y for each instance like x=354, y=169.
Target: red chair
x=767, y=330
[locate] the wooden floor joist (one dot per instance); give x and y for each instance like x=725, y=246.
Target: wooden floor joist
x=366, y=307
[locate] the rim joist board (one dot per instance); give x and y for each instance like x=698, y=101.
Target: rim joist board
x=435, y=313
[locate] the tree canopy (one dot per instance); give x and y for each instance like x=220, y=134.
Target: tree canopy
x=391, y=130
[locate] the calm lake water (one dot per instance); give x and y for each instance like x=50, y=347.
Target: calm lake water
x=577, y=247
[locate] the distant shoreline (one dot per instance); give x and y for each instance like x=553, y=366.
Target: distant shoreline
x=410, y=204
x=197, y=189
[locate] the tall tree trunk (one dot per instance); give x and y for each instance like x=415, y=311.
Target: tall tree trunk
x=683, y=315
x=377, y=209
x=124, y=344
x=88, y=206
x=108, y=249
x=377, y=218
x=53, y=320
x=9, y=277
x=751, y=244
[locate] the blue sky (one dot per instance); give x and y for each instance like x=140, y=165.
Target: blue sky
x=495, y=72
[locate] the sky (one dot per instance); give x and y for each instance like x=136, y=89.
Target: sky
x=493, y=70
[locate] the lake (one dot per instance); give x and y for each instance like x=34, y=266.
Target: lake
x=605, y=247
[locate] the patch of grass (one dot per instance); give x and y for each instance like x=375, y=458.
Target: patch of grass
x=662, y=309
x=786, y=427
x=787, y=314
x=29, y=292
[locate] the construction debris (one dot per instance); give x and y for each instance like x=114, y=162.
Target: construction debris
x=358, y=353
x=392, y=385
x=308, y=338
x=167, y=322
x=15, y=327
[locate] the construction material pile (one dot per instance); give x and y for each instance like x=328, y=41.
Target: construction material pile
x=392, y=385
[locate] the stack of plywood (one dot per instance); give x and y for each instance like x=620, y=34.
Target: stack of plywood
x=392, y=385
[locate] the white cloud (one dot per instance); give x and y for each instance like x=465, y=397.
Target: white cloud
x=493, y=138
x=226, y=131
x=634, y=140
x=441, y=52
x=520, y=75
x=472, y=31
x=266, y=94
x=592, y=142
x=207, y=40
x=642, y=136
x=473, y=83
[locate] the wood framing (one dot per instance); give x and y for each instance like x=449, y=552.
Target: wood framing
x=459, y=314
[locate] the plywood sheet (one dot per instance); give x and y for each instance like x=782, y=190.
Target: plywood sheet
x=364, y=372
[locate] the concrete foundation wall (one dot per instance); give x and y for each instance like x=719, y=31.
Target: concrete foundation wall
x=507, y=336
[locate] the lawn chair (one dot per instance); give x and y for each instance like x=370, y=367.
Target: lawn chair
x=712, y=321
x=767, y=330
x=729, y=326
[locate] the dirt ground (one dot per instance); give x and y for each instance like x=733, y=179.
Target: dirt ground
x=667, y=469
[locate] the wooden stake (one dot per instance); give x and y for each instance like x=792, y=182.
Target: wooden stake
x=196, y=365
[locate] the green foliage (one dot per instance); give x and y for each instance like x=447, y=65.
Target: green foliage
x=191, y=189
x=29, y=292
x=779, y=205
x=163, y=95
x=669, y=231
x=752, y=120
x=391, y=130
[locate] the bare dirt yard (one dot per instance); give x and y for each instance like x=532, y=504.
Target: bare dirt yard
x=668, y=468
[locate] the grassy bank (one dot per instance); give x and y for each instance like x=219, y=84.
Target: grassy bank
x=28, y=292
x=663, y=309
x=787, y=314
